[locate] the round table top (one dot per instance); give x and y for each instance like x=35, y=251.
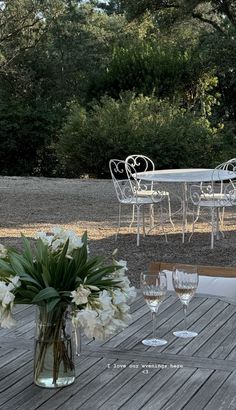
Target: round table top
x=186, y=175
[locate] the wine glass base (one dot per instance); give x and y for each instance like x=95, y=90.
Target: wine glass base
x=185, y=334
x=154, y=342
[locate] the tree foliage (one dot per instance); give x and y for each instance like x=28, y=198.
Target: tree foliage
x=65, y=62
x=173, y=137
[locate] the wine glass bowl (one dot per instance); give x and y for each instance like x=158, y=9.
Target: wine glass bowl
x=153, y=286
x=185, y=283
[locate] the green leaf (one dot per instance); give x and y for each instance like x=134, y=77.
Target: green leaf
x=28, y=254
x=16, y=264
x=6, y=267
x=41, y=251
x=27, y=294
x=65, y=293
x=27, y=278
x=52, y=303
x=45, y=294
x=46, y=276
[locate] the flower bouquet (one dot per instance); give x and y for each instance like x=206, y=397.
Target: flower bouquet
x=70, y=290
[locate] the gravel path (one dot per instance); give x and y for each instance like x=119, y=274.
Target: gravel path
x=32, y=204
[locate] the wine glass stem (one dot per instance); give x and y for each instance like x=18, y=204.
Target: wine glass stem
x=154, y=324
x=185, y=316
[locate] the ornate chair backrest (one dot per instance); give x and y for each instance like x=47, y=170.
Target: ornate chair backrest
x=221, y=191
x=121, y=181
x=135, y=164
x=228, y=187
x=140, y=163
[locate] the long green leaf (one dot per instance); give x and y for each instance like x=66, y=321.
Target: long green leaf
x=16, y=264
x=52, y=303
x=28, y=254
x=6, y=267
x=45, y=294
x=27, y=278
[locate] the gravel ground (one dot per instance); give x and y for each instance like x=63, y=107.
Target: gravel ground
x=32, y=204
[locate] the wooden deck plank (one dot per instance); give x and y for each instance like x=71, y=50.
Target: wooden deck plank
x=92, y=390
x=26, y=395
x=188, y=390
x=145, y=329
x=232, y=355
x=138, y=321
x=85, y=376
x=9, y=384
x=9, y=356
x=198, y=320
x=193, y=345
x=210, y=387
x=15, y=342
x=219, y=337
x=211, y=329
x=224, y=350
x=225, y=397
x=135, y=385
x=175, y=345
x=115, y=384
x=159, y=358
x=162, y=395
x=195, y=373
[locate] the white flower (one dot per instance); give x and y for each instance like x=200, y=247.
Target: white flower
x=57, y=244
x=6, y=297
x=3, y=251
x=130, y=293
x=121, y=272
x=6, y=303
x=58, y=231
x=47, y=239
x=105, y=315
x=118, y=297
x=87, y=319
x=6, y=319
x=61, y=236
x=80, y=295
x=14, y=282
x=105, y=300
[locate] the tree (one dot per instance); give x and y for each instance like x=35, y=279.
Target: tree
x=216, y=13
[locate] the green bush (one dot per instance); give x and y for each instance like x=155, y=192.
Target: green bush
x=173, y=137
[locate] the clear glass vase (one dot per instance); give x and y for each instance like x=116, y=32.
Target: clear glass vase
x=55, y=347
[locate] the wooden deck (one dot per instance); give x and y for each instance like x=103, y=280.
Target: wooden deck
x=121, y=373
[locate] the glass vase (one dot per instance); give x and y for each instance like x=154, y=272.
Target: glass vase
x=55, y=347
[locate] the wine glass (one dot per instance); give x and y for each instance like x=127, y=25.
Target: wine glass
x=153, y=286
x=185, y=282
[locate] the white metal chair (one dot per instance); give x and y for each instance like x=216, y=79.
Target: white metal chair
x=215, y=196
x=141, y=163
x=126, y=191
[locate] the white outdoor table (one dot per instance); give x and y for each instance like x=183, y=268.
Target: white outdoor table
x=185, y=177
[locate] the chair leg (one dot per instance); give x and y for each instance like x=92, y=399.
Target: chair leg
x=119, y=217
x=222, y=215
x=132, y=220
x=198, y=213
x=161, y=223
x=143, y=214
x=217, y=224
x=138, y=224
x=151, y=216
x=212, y=227
x=193, y=226
x=169, y=211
